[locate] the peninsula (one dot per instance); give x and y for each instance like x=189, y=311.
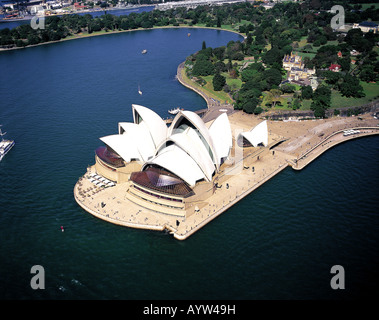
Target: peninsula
x=181, y=188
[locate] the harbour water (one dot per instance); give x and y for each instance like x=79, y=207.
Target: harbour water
x=280, y=242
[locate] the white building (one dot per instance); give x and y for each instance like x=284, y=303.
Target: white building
x=167, y=169
x=367, y=26
x=256, y=136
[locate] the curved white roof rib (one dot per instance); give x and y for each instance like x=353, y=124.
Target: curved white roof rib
x=124, y=127
x=177, y=161
x=259, y=134
x=123, y=146
x=221, y=134
x=202, y=130
x=154, y=122
x=190, y=142
x=135, y=142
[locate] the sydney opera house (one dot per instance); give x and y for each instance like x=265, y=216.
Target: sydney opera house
x=170, y=169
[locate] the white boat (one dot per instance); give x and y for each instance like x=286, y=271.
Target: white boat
x=175, y=111
x=5, y=145
x=144, y=51
x=139, y=90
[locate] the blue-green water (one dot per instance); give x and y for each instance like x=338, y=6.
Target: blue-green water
x=278, y=243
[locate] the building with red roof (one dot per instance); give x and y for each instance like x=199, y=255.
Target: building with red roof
x=335, y=67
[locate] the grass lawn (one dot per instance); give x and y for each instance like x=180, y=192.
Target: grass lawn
x=306, y=104
x=303, y=41
x=371, y=90
x=233, y=83
x=368, y=5
x=208, y=89
x=305, y=54
x=312, y=52
x=282, y=103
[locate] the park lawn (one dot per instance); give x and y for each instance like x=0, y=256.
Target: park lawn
x=371, y=90
x=368, y=5
x=283, y=105
x=86, y=34
x=306, y=104
x=312, y=52
x=221, y=96
x=229, y=27
x=303, y=41
x=233, y=83
x=306, y=54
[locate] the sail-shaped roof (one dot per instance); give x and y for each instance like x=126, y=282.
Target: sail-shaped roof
x=177, y=161
x=138, y=140
x=187, y=149
x=185, y=119
x=157, y=127
x=190, y=142
x=221, y=134
x=259, y=134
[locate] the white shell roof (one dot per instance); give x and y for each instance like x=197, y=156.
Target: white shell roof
x=221, y=134
x=192, y=154
x=190, y=142
x=157, y=127
x=199, y=124
x=135, y=143
x=259, y=134
x=177, y=161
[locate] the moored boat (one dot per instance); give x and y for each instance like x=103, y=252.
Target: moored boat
x=175, y=111
x=5, y=145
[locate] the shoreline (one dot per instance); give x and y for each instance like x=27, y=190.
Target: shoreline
x=101, y=33
x=325, y=145
x=286, y=141
x=242, y=181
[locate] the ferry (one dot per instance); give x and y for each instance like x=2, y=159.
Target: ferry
x=5, y=145
x=175, y=111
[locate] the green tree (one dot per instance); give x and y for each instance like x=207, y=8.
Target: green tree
x=202, y=67
x=273, y=77
x=250, y=105
x=306, y=92
x=332, y=77
x=323, y=94
x=368, y=74
x=273, y=96
x=318, y=108
x=296, y=104
x=288, y=88
x=218, y=82
x=350, y=87
x=273, y=55
x=321, y=101
x=345, y=63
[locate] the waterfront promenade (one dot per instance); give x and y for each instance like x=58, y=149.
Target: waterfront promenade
x=292, y=143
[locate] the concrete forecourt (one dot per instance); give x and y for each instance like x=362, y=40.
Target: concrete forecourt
x=173, y=187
